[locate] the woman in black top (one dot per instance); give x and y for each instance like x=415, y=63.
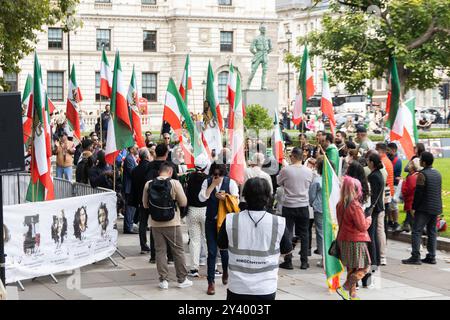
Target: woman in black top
x=376, y=183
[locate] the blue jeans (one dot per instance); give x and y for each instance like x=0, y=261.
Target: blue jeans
x=211, y=242
x=421, y=220
x=128, y=216
x=318, y=222
x=64, y=172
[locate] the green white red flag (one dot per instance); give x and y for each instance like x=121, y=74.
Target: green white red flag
x=74, y=98
x=277, y=141
x=41, y=183
x=133, y=102
x=401, y=117
x=106, y=77
x=27, y=109
x=237, y=139
x=213, y=122
x=306, y=85
x=120, y=133
x=186, y=81
x=231, y=94
x=326, y=102
x=330, y=195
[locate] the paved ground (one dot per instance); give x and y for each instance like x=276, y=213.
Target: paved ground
x=135, y=278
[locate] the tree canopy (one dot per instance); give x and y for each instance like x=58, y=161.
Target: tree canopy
x=358, y=36
x=20, y=21
x=257, y=118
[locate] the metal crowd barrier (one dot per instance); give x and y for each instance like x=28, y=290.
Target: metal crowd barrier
x=15, y=188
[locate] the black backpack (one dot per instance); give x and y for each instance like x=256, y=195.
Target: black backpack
x=160, y=202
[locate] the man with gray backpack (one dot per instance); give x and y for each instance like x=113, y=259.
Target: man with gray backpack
x=161, y=196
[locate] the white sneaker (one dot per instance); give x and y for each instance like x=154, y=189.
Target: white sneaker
x=186, y=283
x=383, y=261
x=164, y=285
x=319, y=264
x=218, y=273
x=202, y=263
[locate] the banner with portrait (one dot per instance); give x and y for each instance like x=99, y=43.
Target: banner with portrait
x=43, y=238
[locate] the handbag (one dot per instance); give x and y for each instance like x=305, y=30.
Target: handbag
x=334, y=246
x=368, y=212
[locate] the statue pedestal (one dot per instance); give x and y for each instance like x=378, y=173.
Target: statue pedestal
x=268, y=99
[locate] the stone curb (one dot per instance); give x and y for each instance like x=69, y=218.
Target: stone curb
x=442, y=243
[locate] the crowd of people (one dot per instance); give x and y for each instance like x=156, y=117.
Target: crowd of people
x=253, y=225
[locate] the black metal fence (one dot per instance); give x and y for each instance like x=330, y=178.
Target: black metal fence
x=15, y=188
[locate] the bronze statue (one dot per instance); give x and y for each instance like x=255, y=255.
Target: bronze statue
x=261, y=47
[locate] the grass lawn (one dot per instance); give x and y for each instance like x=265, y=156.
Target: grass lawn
x=443, y=166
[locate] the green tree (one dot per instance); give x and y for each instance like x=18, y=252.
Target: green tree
x=358, y=36
x=20, y=21
x=257, y=118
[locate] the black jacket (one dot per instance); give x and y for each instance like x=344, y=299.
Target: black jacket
x=139, y=177
x=376, y=182
x=428, y=193
x=193, y=188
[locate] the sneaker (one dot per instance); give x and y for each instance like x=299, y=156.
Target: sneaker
x=169, y=261
x=344, y=294
x=152, y=260
x=120, y=216
x=319, y=264
x=193, y=273
x=411, y=260
x=383, y=261
x=145, y=250
x=164, y=285
x=202, y=263
x=186, y=283
x=396, y=227
x=429, y=260
x=218, y=273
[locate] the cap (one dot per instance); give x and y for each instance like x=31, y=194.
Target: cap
x=201, y=162
x=361, y=129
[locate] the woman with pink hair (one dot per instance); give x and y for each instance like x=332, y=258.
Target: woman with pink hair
x=353, y=237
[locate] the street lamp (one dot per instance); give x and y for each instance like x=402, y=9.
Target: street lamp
x=71, y=24
x=289, y=37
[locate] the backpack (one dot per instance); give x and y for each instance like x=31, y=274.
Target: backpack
x=160, y=202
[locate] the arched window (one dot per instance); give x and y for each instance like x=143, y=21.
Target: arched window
x=222, y=87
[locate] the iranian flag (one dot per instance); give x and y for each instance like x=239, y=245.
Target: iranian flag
x=175, y=113
x=212, y=137
x=27, y=109
x=330, y=196
x=120, y=134
x=73, y=105
x=237, y=138
x=401, y=119
x=41, y=183
x=277, y=141
x=106, y=77
x=306, y=84
x=231, y=94
x=186, y=81
x=133, y=101
x=327, y=103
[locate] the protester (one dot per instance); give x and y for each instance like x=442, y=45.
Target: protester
x=427, y=206
x=303, y=139
x=408, y=190
x=213, y=190
x=376, y=183
x=140, y=175
x=254, y=235
x=64, y=151
x=397, y=170
x=101, y=175
x=286, y=138
x=392, y=221
x=419, y=148
x=129, y=164
x=315, y=201
x=160, y=197
x=332, y=153
x=365, y=144
x=196, y=212
x=352, y=237
x=104, y=118
x=86, y=162
x=148, y=139
x=296, y=180
x=254, y=170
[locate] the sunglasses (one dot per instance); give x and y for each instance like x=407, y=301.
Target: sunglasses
x=166, y=138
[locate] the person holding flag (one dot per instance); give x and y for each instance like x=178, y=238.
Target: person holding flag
x=306, y=85
x=133, y=101
x=352, y=237
x=27, y=110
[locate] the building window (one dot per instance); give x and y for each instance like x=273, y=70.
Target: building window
x=222, y=87
x=55, y=38
x=226, y=41
x=224, y=2
x=55, y=85
x=103, y=39
x=151, y=2
x=149, y=86
x=150, y=41
x=11, y=81
x=102, y=1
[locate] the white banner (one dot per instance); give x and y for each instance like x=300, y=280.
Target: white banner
x=43, y=238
